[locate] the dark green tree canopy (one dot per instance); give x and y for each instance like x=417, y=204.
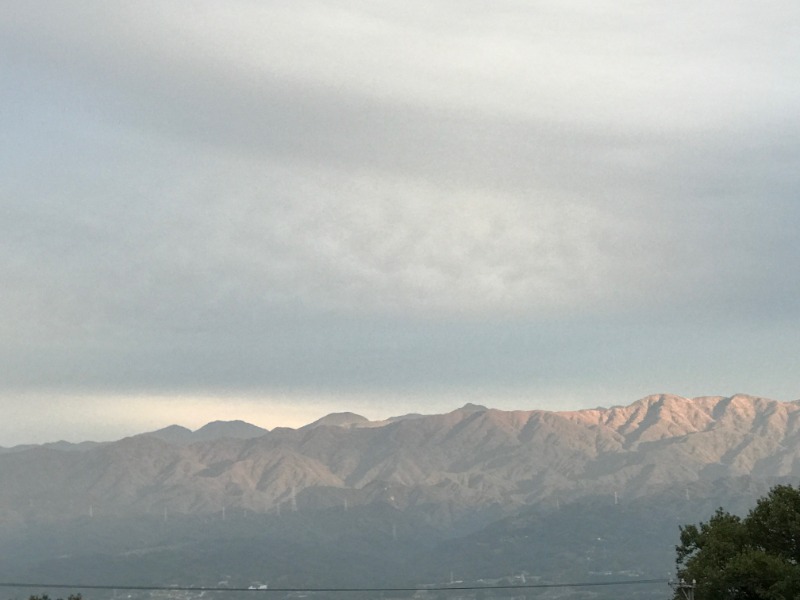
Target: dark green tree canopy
x=754, y=558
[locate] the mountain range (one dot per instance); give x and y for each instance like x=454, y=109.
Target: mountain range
x=476, y=491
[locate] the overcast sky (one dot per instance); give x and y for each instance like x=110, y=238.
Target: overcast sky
x=274, y=210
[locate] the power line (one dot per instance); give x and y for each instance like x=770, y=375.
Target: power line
x=436, y=588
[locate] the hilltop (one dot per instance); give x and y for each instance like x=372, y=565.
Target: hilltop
x=472, y=478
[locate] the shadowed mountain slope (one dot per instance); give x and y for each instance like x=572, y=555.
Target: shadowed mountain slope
x=478, y=492
x=471, y=458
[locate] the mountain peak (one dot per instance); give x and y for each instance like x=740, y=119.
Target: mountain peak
x=178, y=435
x=469, y=407
x=172, y=434
x=240, y=430
x=340, y=419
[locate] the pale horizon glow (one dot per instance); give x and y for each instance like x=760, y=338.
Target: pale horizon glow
x=81, y=416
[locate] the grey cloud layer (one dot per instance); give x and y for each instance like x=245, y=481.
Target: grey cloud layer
x=373, y=194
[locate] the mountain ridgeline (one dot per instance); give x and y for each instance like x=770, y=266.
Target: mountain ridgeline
x=479, y=493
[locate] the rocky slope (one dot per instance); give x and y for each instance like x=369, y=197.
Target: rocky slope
x=470, y=459
x=476, y=494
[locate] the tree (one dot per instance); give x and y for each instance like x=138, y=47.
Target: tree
x=755, y=558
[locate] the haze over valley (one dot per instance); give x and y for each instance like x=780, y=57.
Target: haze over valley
x=482, y=493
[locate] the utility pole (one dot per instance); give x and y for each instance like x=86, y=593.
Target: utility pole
x=684, y=588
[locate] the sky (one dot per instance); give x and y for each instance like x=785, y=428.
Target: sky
x=271, y=211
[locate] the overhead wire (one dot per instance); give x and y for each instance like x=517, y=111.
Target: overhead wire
x=435, y=588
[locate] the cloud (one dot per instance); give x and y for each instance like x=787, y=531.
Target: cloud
x=591, y=61
x=372, y=195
